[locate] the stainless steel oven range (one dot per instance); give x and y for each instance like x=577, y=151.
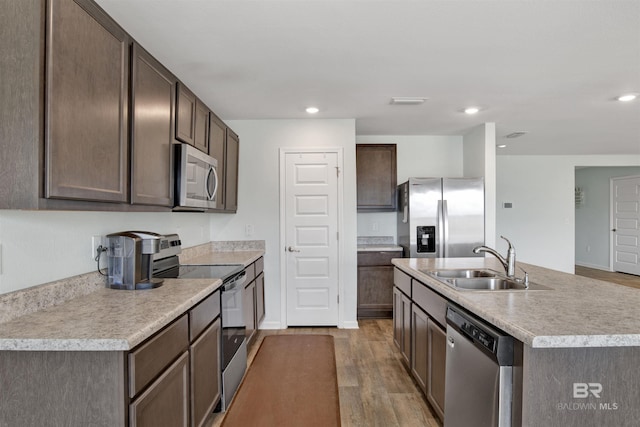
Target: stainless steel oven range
x=234, y=343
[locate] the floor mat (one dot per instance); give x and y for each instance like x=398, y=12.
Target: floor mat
x=291, y=382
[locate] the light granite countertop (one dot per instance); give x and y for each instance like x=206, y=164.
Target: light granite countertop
x=575, y=312
x=106, y=319
x=81, y=314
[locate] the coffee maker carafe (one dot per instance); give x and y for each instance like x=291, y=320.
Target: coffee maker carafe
x=130, y=259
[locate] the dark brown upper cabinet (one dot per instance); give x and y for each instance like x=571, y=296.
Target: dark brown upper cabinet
x=185, y=115
x=87, y=80
x=376, y=177
x=217, y=150
x=231, y=171
x=201, y=132
x=153, y=88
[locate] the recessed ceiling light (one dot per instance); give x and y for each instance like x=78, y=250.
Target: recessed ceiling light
x=471, y=110
x=407, y=100
x=627, y=97
x=502, y=146
x=312, y=110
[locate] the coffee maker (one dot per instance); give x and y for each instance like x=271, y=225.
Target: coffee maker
x=130, y=260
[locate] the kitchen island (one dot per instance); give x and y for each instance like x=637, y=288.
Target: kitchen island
x=580, y=341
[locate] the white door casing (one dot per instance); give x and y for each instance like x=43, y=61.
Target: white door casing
x=310, y=225
x=625, y=224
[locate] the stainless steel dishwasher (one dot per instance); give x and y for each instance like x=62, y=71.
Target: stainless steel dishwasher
x=479, y=373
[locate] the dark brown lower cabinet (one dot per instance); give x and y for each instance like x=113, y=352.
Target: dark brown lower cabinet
x=419, y=346
x=205, y=378
x=402, y=323
x=166, y=401
x=436, y=363
x=375, y=284
x=248, y=309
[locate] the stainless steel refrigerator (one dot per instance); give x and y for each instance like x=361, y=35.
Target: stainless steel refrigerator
x=441, y=217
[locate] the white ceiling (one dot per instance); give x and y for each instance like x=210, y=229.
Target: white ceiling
x=551, y=68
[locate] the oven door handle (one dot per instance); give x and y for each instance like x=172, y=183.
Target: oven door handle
x=235, y=282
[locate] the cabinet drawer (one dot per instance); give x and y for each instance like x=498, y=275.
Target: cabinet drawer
x=377, y=258
x=203, y=314
x=166, y=401
x=146, y=362
x=402, y=281
x=431, y=302
x=251, y=273
x=259, y=265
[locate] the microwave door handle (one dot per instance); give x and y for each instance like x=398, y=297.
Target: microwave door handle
x=212, y=195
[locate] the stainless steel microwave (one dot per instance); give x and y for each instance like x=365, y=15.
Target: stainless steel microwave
x=196, y=179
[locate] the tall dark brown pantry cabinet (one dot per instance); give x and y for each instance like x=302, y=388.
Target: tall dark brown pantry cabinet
x=87, y=80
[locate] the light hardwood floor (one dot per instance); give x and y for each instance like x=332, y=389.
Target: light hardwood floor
x=608, y=276
x=375, y=388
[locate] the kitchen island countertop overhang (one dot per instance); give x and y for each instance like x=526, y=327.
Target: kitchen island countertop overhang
x=575, y=312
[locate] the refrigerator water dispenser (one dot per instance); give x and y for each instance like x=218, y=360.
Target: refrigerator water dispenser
x=426, y=238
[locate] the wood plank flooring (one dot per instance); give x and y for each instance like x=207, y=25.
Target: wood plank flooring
x=608, y=276
x=375, y=388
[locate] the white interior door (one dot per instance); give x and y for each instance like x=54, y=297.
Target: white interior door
x=625, y=221
x=311, y=238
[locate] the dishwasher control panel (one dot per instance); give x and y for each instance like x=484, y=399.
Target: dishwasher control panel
x=479, y=335
x=495, y=343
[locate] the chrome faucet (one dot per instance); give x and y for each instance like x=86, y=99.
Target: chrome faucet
x=509, y=263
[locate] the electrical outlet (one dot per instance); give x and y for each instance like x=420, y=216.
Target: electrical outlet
x=588, y=248
x=248, y=230
x=375, y=226
x=95, y=242
x=0, y=258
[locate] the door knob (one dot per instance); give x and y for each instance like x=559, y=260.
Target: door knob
x=613, y=229
x=292, y=249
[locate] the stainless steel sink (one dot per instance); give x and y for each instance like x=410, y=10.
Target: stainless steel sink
x=461, y=273
x=480, y=280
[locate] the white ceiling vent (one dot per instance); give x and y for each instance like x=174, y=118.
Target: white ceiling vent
x=407, y=100
x=516, y=134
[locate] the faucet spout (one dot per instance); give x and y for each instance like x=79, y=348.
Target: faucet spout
x=508, y=263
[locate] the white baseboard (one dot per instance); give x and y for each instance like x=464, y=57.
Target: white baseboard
x=351, y=324
x=597, y=267
x=271, y=325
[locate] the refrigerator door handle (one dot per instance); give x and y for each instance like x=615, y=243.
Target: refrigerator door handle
x=440, y=235
x=445, y=229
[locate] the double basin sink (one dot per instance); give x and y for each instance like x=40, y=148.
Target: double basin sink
x=480, y=280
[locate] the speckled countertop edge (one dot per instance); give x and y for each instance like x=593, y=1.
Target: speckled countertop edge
x=575, y=312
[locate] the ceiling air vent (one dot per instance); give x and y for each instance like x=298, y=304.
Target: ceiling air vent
x=516, y=134
x=407, y=100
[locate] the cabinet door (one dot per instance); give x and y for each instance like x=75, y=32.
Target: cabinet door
x=231, y=173
x=185, y=114
x=201, y=131
x=217, y=147
x=248, y=309
x=376, y=177
x=86, y=150
x=153, y=88
x=402, y=323
x=436, y=363
x=166, y=401
x=259, y=299
x=375, y=291
x=205, y=374
x=419, y=346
